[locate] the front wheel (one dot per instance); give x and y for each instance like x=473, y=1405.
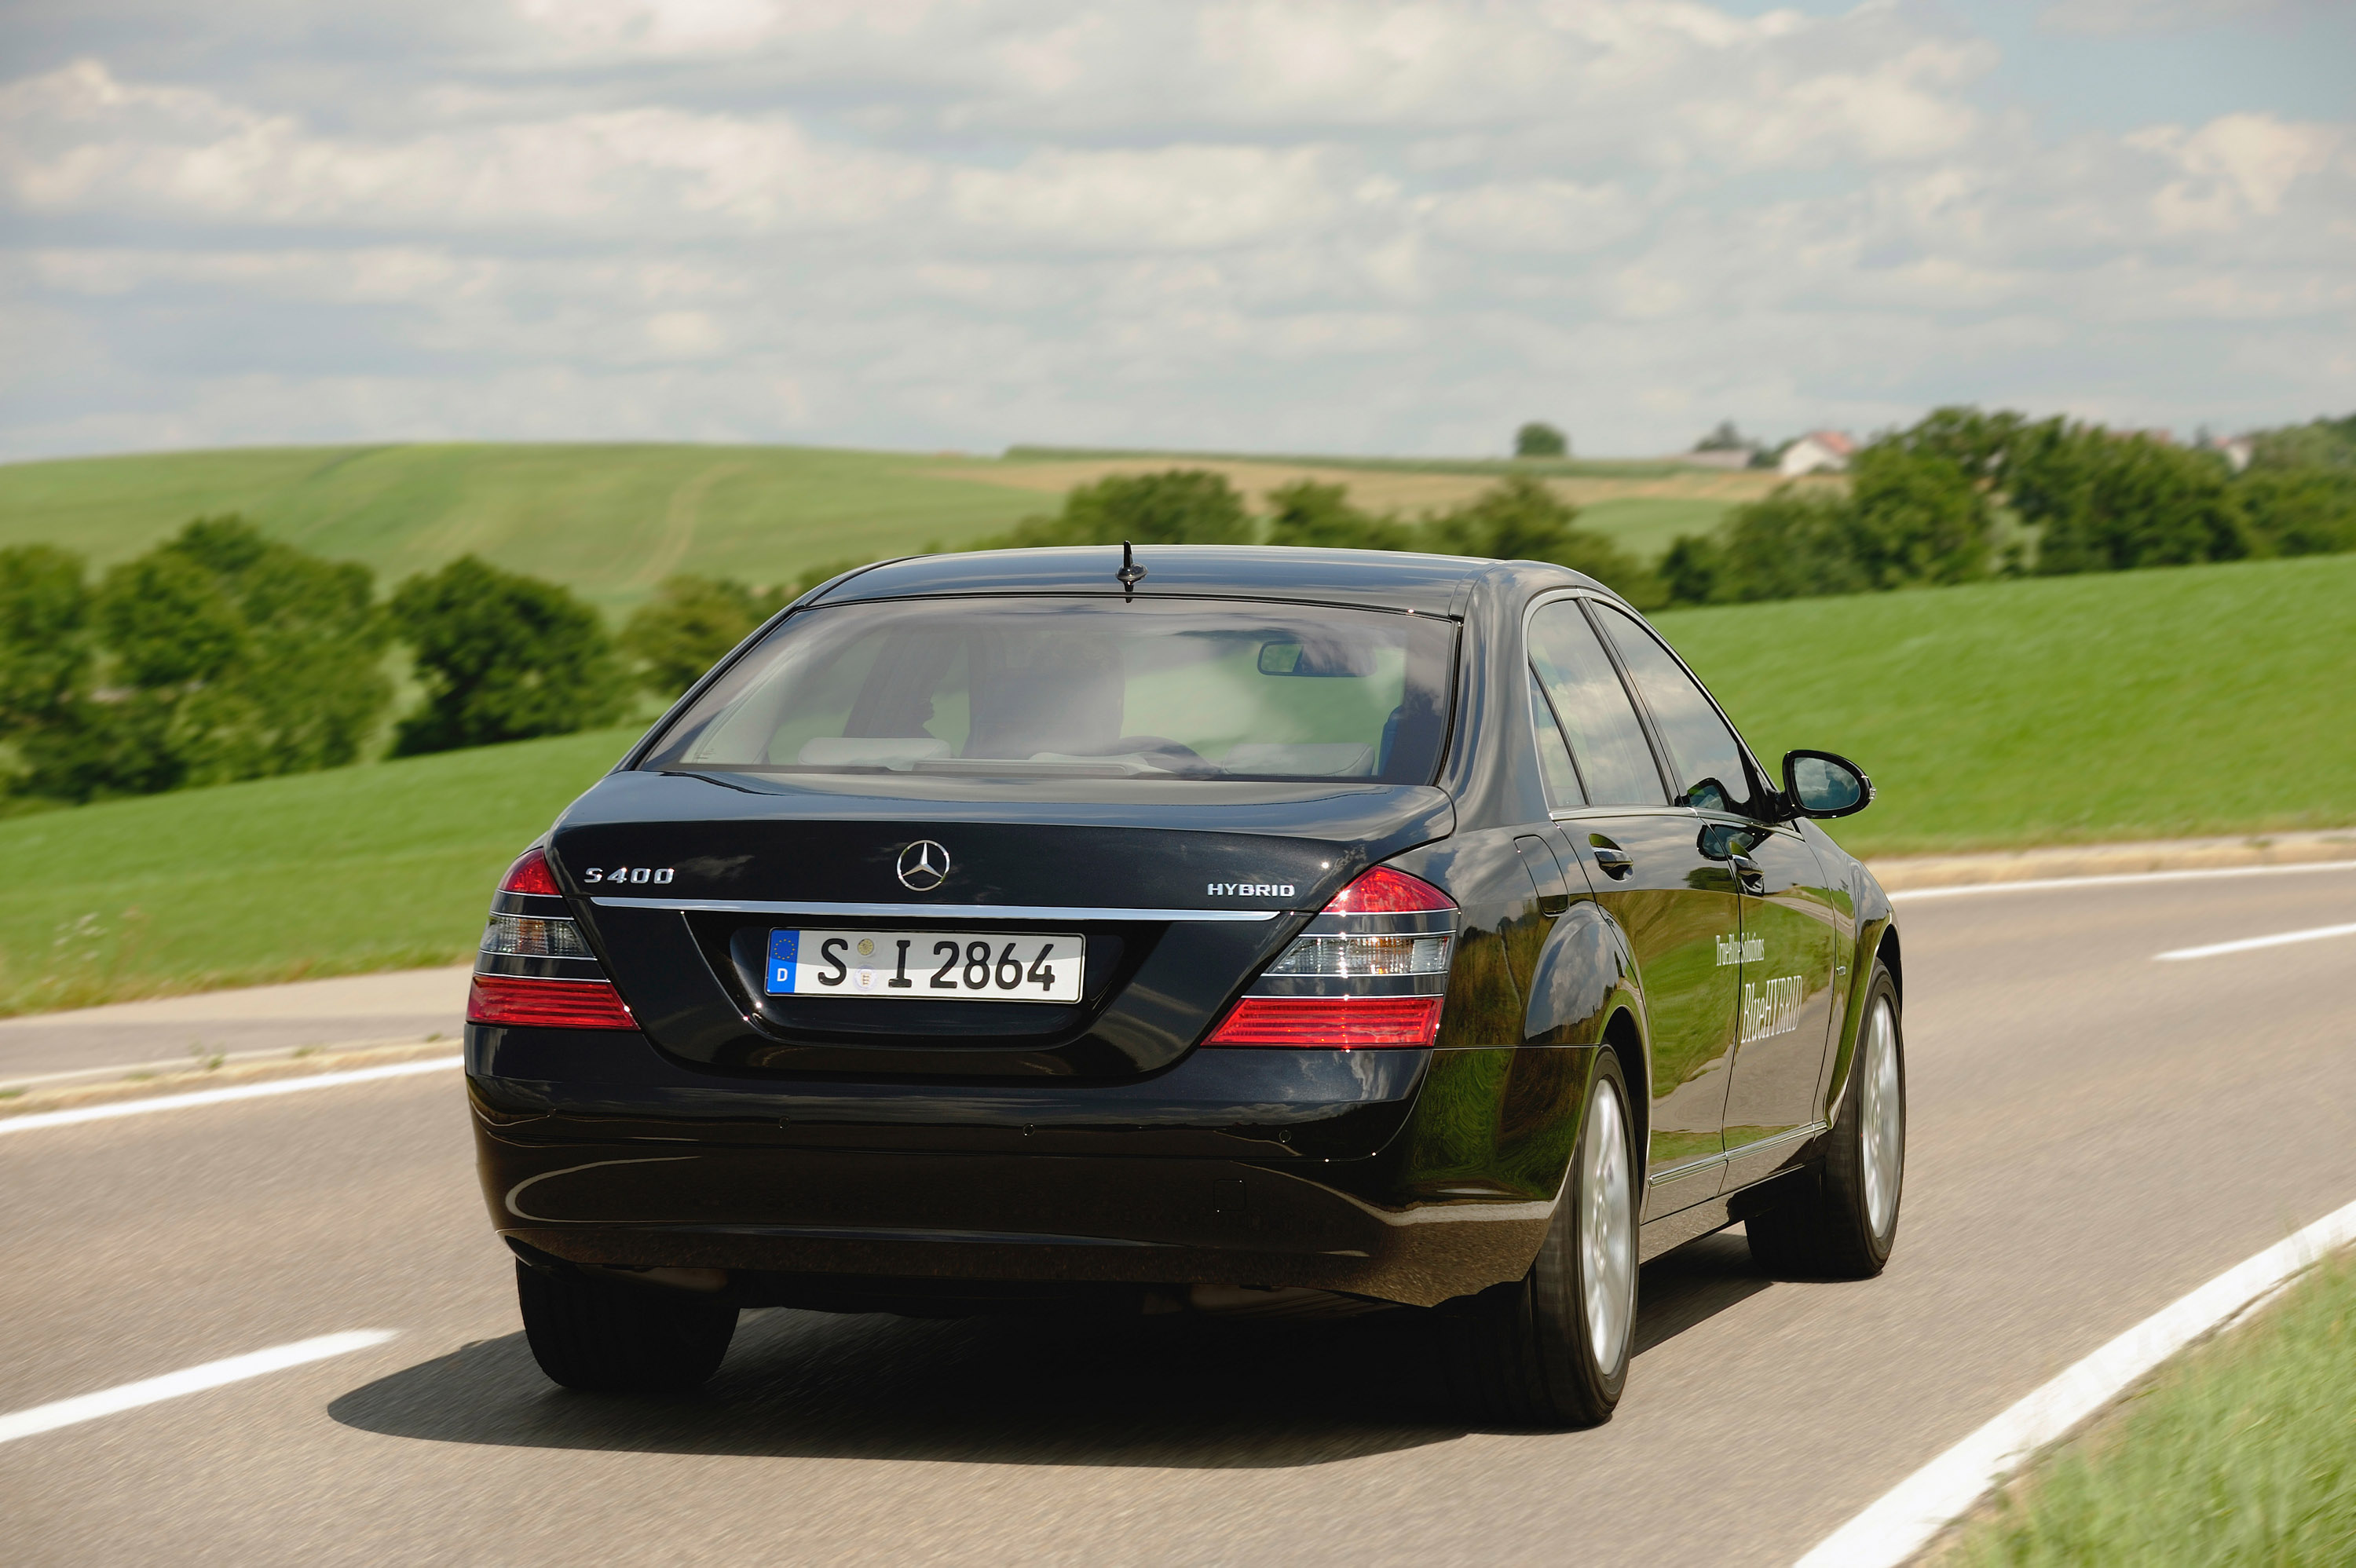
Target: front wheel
x=1843, y=1226
x=1551, y=1349
x=606, y=1337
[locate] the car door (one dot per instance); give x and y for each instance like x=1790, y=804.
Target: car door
x=1676, y=905
x=1790, y=939
x=1781, y=946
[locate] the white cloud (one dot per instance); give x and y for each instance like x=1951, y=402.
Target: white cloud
x=1179, y=197
x=88, y=142
x=1396, y=224
x=2238, y=167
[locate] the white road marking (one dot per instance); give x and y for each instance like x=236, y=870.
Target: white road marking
x=2316, y=933
x=2117, y=878
x=195, y=1380
x=187, y=1063
x=40, y=1119
x=1894, y=1529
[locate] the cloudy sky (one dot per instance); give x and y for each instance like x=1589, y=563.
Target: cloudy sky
x=1266, y=225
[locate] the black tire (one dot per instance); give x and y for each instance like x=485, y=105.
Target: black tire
x=602, y=1337
x=1527, y=1353
x=1843, y=1224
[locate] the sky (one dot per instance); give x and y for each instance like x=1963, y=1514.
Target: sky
x=1282, y=225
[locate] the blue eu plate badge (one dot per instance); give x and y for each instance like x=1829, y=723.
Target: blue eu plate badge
x=783, y=950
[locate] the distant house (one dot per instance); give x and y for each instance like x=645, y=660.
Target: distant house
x=2237, y=451
x=1818, y=452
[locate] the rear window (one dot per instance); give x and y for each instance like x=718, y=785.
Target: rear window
x=1151, y=688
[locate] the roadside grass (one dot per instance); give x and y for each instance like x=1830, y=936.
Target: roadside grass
x=383, y=866
x=2156, y=704
x=2243, y=1451
x=611, y=520
x=2146, y=704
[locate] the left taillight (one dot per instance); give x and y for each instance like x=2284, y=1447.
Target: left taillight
x=1367, y=973
x=535, y=967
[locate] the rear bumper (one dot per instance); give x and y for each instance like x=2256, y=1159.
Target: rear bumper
x=1378, y=1173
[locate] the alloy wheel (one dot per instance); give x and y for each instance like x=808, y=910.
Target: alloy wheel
x=1608, y=1235
x=1882, y=1120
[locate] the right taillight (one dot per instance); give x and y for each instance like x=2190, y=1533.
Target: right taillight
x=535, y=967
x=1367, y=973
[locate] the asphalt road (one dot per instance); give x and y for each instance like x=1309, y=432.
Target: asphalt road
x=2094, y=1133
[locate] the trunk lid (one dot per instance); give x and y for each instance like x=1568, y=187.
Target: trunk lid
x=1181, y=891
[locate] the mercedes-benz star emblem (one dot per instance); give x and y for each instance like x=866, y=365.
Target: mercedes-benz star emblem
x=924, y=866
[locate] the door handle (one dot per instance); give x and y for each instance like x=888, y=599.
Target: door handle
x=1746, y=870
x=1613, y=859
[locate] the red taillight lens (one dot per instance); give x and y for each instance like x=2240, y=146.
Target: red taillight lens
x=1384, y=892
x=1331, y=1023
x=530, y=874
x=547, y=1004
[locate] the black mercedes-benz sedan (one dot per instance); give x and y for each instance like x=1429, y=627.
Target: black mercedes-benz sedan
x=1059, y=929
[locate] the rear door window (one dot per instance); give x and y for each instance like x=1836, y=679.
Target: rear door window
x=1554, y=755
x=1706, y=758
x=1614, y=759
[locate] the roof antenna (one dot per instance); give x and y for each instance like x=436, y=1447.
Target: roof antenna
x=1131, y=574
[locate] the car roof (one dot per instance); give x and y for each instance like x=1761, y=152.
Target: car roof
x=1391, y=580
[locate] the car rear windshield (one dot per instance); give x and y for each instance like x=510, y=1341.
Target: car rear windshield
x=1151, y=688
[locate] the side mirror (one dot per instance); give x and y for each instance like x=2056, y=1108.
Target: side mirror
x=1821, y=784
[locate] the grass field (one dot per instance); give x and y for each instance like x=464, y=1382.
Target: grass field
x=2240, y=1453
x=613, y=520
x=2124, y=705
x=2148, y=704
x=383, y=866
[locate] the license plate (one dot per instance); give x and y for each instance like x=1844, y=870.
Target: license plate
x=961, y=965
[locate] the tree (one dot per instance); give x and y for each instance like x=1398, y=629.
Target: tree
x=1917, y=517
x=503, y=657
x=2106, y=502
x=1308, y=513
x=1691, y=570
x=1182, y=506
x=45, y=647
x=690, y=625
x=1537, y=439
x=219, y=655
x=1981, y=444
x=2320, y=443
x=2299, y=511
x=1518, y=519
x=1725, y=438
x=1794, y=544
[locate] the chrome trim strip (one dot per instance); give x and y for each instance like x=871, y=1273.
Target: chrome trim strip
x=1695, y=1166
x=1811, y=1130
x=1690, y=1167
x=938, y=912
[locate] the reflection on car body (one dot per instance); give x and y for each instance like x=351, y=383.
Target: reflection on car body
x=1411, y=929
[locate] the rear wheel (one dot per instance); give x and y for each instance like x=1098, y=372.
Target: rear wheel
x=1845, y=1224
x=619, y=1339
x=1552, y=1347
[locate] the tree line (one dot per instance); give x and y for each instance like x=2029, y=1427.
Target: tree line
x=1965, y=495
x=222, y=654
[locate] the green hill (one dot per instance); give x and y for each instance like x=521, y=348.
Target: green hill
x=2140, y=704
x=608, y=520
x=611, y=521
